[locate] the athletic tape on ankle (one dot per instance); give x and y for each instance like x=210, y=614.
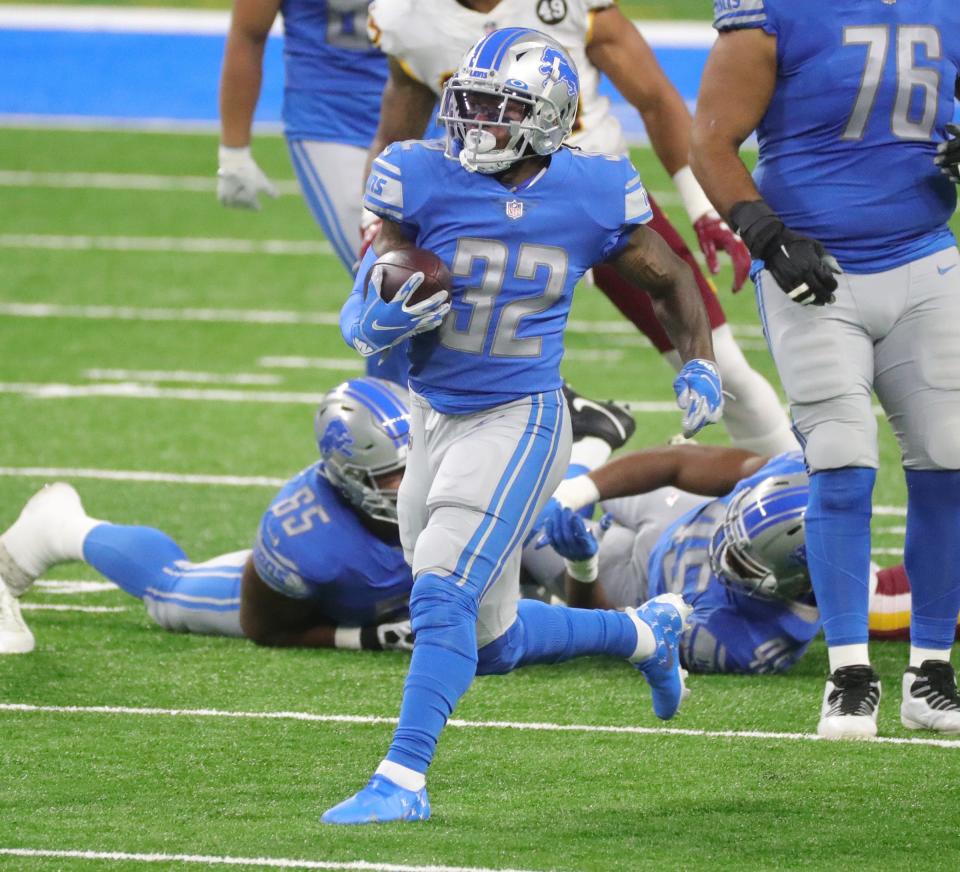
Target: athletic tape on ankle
x=584, y=571
x=577, y=492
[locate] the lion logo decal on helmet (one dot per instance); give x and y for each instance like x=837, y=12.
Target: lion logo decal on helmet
x=336, y=438
x=556, y=68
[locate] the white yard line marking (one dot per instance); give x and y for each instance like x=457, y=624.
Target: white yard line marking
x=898, y=530
x=134, y=313
x=56, y=607
x=154, y=375
x=345, y=363
x=49, y=472
x=884, y=552
x=261, y=862
x=123, y=182
x=457, y=723
x=72, y=586
x=182, y=244
x=126, y=390
x=619, y=332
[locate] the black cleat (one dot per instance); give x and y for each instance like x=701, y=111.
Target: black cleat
x=609, y=421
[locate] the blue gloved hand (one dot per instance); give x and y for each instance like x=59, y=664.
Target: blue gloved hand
x=384, y=324
x=700, y=393
x=567, y=532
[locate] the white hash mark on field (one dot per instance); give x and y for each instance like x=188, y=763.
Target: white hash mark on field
x=56, y=607
x=462, y=724
x=261, y=862
x=182, y=244
x=72, y=586
x=51, y=472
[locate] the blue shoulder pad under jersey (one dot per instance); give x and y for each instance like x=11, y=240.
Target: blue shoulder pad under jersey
x=863, y=93
x=311, y=545
x=333, y=75
x=729, y=632
x=515, y=255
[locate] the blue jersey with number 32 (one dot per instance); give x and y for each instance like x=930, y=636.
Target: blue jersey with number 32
x=515, y=256
x=864, y=90
x=312, y=545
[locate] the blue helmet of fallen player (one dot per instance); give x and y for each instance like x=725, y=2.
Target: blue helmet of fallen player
x=759, y=548
x=363, y=433
x=514, y=96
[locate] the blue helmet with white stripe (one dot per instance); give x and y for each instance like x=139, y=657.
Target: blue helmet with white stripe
x=759, y=548
x=515, y=80
x=363, y=433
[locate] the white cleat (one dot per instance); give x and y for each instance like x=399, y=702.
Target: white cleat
x=930, y=700
x=50, y=529
x=850, y=702
x=15, y=635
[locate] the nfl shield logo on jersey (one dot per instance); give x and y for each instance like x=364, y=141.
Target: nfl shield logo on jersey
x=514, y=209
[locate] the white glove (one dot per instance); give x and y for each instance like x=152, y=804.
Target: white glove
x=239, y=179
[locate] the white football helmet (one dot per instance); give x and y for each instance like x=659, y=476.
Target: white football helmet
x=515, y=79
x=759, y=548
x=363, y=432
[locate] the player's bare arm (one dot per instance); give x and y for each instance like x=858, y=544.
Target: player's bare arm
x=269, y=618
x=738, y=84
x=735, y=91
x=405, y=110
x=617, y=49
x=711, y=470
x=273, y=620
x=392, y=237
x=243, y=68
x=648, y=262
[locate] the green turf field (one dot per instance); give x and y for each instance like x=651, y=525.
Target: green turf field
x=109, y=365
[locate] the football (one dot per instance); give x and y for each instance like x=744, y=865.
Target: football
x=399, y=265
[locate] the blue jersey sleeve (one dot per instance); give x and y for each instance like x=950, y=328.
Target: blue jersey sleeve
x=398, y=183
x=742, y=15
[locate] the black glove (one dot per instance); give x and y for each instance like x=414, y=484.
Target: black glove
x=948, y=155
x=802, y=267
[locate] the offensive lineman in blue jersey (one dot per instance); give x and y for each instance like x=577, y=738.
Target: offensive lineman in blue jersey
x=738, y=559
x=850, y=100
x=519, y=219
x=326, y=569
x=333, y=79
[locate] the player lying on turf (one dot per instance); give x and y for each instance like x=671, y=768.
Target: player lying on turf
x=739, y=559
x=326, y=569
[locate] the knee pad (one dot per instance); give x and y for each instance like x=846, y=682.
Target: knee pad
x=438, y=601
x=834, y=445
x=942, y=446
x=442, y=542
x=502, y=654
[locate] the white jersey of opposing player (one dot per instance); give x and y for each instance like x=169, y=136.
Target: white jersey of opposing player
x=429, y=38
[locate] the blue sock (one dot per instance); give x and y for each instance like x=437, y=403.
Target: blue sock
x=444, y=661
x=552, y=634
x=838, y=550
x=133, y=558
x=932, y=556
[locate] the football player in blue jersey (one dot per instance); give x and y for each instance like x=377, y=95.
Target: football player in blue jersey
x=859, y=291
x=737, y=558
x=326, y=569
x=518, y=218
x=333, y=78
